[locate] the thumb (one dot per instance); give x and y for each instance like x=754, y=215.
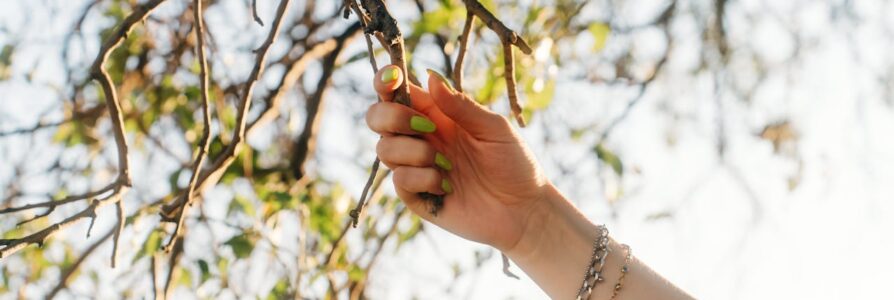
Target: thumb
x=477, y=120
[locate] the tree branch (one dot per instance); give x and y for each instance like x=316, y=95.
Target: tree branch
x=509, y=74
x=171, y=211
x=254, y=12
x=463, y=48
x=205, y=143
x=38, y=238
x=506, y=34
x=32, y=129
x=51, y=205
x=119, y=212
x=100, y=74
x=294, y=71
x=381, y=22
x=507, y=38
x=376, y=193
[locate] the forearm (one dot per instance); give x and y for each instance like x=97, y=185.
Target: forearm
x=556, y=251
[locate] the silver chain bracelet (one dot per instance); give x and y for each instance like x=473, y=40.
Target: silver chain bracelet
x=593, y=274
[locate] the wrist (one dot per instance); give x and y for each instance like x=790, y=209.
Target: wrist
x=553, y=222
x=556, y=245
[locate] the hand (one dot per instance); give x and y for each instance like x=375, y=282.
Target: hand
x=494, y=191
x=448, y=144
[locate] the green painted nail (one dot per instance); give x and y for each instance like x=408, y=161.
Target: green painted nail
x=443, y=162
x=443, y=79
x=421, y=124
x=445, y=185
x=390, y=75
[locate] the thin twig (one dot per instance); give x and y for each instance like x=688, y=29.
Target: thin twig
x=509, y=74
x=172, y=266
x=119, y=212
x=68, y=272
x=32, y=129
x=40, y=237
x=205, y=143
x=463, y=48
x=254, y=12
x=507, y=38
x=156, y=288
x=506, y=34
x=506, y=270
x=355, y=213
x=63, y=201
x=66, y=275
x=171, y=211
x=295, y=70
x=376, y=193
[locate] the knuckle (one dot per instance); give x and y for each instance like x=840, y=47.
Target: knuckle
x=382, y=148
x=426, y=154
x=400, y=176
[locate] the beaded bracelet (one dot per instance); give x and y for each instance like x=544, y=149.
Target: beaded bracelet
x=624, y=270
x=597, y=262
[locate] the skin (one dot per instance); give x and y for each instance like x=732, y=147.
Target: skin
x=500, y=196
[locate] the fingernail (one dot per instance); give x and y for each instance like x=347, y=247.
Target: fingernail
x=445, y=185
x=443, y=79
x=443, y=162
x=390, y=75
x=421, y=124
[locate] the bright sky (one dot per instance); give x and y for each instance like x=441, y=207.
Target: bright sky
x=730, y=231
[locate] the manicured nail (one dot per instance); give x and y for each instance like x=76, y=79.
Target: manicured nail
x=445, y=185
x=421, y=124
x=443, y=79
x=443, y=162
x=390, y=75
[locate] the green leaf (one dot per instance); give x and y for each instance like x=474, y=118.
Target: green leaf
x=280, y=290
x=242, y=204
x=223, y=265
x=6, y=54
x=185, y=277
x=242, y=245
x=63, y=133
x=6, y=61
x=600, y=32
x=355, y=273
x=152, y=244
x=609, y=158
x=206, y=272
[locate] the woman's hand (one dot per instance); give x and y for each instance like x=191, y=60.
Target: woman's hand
x=447, y=144
x=494, y=192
